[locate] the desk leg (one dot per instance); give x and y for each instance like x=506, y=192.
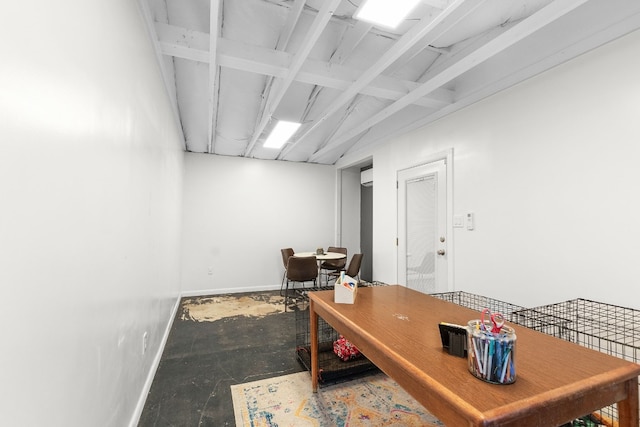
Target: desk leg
x=313, y=318
x=628, y=408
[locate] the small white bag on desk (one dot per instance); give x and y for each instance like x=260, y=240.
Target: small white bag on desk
x=345, y=289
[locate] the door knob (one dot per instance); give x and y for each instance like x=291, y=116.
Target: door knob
x=441, y=252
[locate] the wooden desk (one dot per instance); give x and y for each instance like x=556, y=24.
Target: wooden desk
x=557, y=381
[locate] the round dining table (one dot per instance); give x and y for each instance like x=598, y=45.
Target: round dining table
x=325, y=256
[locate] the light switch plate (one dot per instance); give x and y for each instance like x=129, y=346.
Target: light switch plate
x=458, y=221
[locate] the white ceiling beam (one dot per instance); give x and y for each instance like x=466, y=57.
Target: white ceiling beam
x=182, y=42
x=428, y=25
x=282, y=85
x=352, y=38
x=508, y=38
x=407, y=58
x=379, y=31
x=184, y=52
x=341, y=78
x=500, y=82
x=253, y=59
x=283, y=41
x=245, y=57
x=214, y=76
x=292, y=19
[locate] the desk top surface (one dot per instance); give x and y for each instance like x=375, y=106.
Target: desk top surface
x=397, y=328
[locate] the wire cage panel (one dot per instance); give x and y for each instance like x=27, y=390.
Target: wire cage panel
x=543, y=322
x=479, y=303
x=331, y=367
x=607, y=328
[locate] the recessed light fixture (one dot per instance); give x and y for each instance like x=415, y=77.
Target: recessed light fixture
x=280, y=134
x=387, y=13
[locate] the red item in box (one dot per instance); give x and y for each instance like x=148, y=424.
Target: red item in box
x=344, y=349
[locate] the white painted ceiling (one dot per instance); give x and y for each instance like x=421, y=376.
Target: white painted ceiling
x=234, y=67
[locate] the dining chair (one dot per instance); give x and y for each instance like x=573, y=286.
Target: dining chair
x=300, y=269
x=353, y=270
x=286, y=254
x=334, y=265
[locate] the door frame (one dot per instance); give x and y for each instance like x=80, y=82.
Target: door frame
x=447, y=156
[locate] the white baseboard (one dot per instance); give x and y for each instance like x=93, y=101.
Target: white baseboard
x=234, y=290
x=135, y=419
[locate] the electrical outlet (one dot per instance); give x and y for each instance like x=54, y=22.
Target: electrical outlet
x=145, y=342
x=210, y=271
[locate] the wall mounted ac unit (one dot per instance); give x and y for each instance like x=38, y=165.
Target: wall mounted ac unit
x=366, y=177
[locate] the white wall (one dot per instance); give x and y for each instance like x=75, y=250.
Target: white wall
x=90, y=189
x=239, y=213
x=551, y=170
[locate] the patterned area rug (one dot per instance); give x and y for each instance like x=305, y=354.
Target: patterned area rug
x=375, y=400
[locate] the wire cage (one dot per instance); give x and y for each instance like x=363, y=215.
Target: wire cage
x=607, y=328
x=330, y=366
x=479, y=303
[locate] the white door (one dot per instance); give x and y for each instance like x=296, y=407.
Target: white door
x=422, y=228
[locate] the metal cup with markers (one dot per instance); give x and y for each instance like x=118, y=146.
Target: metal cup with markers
x=491, y=349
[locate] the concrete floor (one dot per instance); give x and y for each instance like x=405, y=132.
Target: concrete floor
x=203, y=359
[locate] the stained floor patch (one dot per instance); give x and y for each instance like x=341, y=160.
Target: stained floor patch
x=210, y=309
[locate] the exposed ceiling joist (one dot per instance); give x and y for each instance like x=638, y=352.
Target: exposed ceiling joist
x=428, y=25
x=350, y=41
x=282, y=85
x=183, y=42
x=543, y=17
x=255, y=59
x=283, y=41
x=214, y=29
x=354, y=84
x=292, y=19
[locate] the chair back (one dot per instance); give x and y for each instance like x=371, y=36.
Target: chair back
x=302, y=269
x=354, y=265
x=286, y=253
x=336, y=264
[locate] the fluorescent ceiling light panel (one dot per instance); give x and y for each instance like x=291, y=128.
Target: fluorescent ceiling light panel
x=387, y=13
x=281, y=134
